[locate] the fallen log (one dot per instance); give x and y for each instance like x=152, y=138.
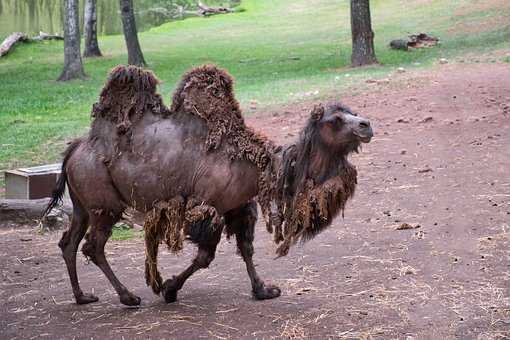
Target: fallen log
x=421, y=40
x=17, y=212
x=205, y=11
x=45, y=36
x=10, y=41
x=16, y=37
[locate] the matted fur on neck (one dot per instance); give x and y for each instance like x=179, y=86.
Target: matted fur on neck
x=310, y=197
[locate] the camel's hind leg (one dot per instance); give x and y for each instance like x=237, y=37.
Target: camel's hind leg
x=102, y=223
x=69, y=245
x=241, y=222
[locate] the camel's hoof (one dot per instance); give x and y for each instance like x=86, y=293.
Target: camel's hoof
x=170, y=291
x=170, y=296
x=83, y=299
x=266, y=292
x=129, y=299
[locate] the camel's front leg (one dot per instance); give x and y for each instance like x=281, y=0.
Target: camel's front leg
x=241, y=222
x=204, y=227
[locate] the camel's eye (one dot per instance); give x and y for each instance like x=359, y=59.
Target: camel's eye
x=336, y=121
x=349, y=112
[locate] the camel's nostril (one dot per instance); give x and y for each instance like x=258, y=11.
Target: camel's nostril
x=364, y=124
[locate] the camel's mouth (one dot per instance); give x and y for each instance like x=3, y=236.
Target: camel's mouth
x=364, y=136
x=362, y=129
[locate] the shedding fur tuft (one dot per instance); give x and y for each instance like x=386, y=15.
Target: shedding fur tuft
x=165, y=222
x=129, y=92
x=207, y=92
x=172, y=222
x=308, y=205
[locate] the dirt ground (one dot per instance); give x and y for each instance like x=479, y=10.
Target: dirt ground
x=440, y=159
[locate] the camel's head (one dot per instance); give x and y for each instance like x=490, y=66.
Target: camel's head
x=316, y=177
x=340, y=128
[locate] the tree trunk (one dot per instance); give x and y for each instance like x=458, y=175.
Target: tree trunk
x=135, y=56
x=73, y=67
x=362, y=35
x=90, y=18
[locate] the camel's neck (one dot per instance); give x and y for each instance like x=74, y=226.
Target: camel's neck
x=323, y=165
x=316, y=183
x=324, y=162
x=311, y=161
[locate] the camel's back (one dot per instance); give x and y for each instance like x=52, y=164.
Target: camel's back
x=199, y=147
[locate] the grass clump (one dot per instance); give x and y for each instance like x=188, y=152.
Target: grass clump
x=123, y=232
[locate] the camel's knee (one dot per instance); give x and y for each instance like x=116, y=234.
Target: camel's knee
x=72, y=237
x=203, y=259
x=246, y=249
x=96, y=238
x=64, y=241
x=90, y=249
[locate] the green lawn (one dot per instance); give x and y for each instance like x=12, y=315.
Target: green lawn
x=276, y=50
x=122, y=232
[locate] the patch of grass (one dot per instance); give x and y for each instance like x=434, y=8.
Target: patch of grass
x=122, y=232
x=278, y=51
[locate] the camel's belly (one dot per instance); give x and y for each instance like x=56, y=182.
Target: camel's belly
x=222, y=186
x=167, y=159
x=211, y=178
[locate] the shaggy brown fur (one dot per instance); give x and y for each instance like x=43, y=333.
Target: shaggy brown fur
x=170, y=222
x=129, y=92
x=165, y=222
x=314, y=208
x=306, y=206
x=208, y=93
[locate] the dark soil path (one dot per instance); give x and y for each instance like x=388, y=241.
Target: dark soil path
x=440, y=159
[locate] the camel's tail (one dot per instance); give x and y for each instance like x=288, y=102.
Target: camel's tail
x=60, y=187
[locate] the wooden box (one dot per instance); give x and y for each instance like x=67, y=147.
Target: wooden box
x=31, y=183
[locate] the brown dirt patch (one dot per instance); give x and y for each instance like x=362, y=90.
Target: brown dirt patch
x=440, y=159
x=476, y=6
x=481, y=25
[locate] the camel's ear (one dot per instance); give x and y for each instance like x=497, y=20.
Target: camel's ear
x=317, y=112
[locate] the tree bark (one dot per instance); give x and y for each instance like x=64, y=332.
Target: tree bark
x=90, y=18
x=135, y=56
x=73, y=66
x=362, y=35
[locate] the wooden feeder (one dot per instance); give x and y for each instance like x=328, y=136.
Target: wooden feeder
x=31, y=183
